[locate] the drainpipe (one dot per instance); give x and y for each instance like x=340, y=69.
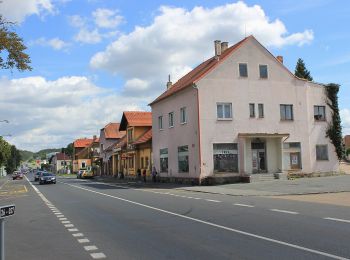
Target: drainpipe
x=199, y=135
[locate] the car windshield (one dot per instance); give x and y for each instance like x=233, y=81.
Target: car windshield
x=47, y=174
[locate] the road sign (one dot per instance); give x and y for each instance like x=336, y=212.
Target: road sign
x=7, y=211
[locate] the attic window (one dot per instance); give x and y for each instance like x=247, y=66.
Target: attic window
x=263, y=71
x=243, y=70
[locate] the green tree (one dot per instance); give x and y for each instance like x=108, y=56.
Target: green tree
x=5, y=151
x=68, y=150
x=12, y=49
x=14, y=160
x=301, y=71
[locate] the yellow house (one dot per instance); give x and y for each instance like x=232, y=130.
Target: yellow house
x=138, y=149
x=81, y=158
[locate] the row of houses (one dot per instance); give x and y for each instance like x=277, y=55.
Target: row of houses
x=240, y=112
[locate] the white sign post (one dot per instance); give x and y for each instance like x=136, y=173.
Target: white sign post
x=6, y=211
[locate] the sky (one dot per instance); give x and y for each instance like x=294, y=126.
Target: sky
x=94, y=59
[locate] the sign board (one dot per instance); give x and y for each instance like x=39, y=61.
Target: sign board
x=7, y=211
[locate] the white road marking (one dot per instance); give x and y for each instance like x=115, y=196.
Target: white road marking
x=197, y=198
x=285, y=211
x=83, y=240
x=65, y=222
x=98, y=255
x=90, y=248
x=338, y=219
x=69, y=225
x=317, y=252
x=60, y=216
x=73, y=230
x=58, y=213
x=62, y=219
x=213, y=200
x=244, y=205
x=78, y=235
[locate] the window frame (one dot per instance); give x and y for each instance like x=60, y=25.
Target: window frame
x=223, y=104
x=251, y=106
x=178, y=159
x=327, y=154
x=292, y=113
x=267, y=71
x=183, y=115
x=261, y=112
x=160, y=122
x=239, y=69
x=171, y=122
x=162, y=153
x=324, y=113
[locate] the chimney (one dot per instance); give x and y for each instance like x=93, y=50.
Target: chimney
x=169, y=83
x=224, y=46
x=217, y=46
x=280, y=59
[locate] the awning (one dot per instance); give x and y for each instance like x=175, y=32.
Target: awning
x=262, y=135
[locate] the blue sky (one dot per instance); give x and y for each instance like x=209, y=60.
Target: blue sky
x=93, y=59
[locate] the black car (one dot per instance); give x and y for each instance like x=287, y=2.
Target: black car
x=47, y=177
x=37, y=175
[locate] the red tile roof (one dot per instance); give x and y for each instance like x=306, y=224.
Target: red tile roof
x=111, y=131
x=347, y=141
x=198, y=72
x=81, y=143
x=135, y=118
x=144, y=138
x=62, y=156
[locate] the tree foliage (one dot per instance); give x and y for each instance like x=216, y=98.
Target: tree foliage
x=14, y=160
x=301, y=71
x=334, y=130
x=12, y=49
x=68, y=150
x=5, y=151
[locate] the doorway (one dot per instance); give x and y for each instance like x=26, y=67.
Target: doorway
x=259, y=156
x=295, y=161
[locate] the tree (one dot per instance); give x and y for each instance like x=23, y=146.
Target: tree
x=301, y=71
x=12, y=53
x=5, y=151
x=14, y=160
x=68, y=150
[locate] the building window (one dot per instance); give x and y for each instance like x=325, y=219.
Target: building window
x=142, y=162
x=160, y=122
x=225, y=157
x=252, y=110
x=224, y=110
x=320, y=113
x=183, y=116
x=291, y=145
x=146, y=163
x=263, y=71
x=286, y=112
x=261, y=110
x=171, y=119
x=130, y=135
x=243, y=70
x=183, y=158
x=322, y=152
x=83, y=165
x=164, y=160
x=131, y=162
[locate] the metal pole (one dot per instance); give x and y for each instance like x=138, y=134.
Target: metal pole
x=2, y=239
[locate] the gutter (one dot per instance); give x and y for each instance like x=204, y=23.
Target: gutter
x=199, y=135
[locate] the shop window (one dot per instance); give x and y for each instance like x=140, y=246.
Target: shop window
x=225, y=157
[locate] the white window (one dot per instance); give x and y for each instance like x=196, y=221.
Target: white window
x=243, y=70
x=224, y=110
x=322, y=152
x=263, y=71
x=320, y=113
x=225, y=157
x=252, y=110
x=261, y=110
x=160, y=122
x=171, y=119
x=286, y=112
x=183, y=158
x=164, y=160
x=183, y=116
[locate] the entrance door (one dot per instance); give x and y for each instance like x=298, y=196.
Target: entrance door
x=258, y=157
x=295, y=161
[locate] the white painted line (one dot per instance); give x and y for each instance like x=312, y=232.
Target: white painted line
x=98, y=255
x=62, y=219
x=73, y=230
x=90, y=248
x=83, y=240
x=338, y=219
x=317, y=252
x=69, y=225
x=213, y=200
x=190, y=197
x=58, y=213
x=285, y=211
x=197, y=198
x=78, y=235
x=65, y=222
x=60, y=216
x=244, y=205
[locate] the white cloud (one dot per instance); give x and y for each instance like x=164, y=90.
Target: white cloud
x=178, y=38
x=86, y=36
x=18, y=10
x=45, y=113
x=106, y=18
x=77, y=21
x=55, y=43
x=345, y=119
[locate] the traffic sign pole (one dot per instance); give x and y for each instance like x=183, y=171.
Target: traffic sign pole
x=2, y=239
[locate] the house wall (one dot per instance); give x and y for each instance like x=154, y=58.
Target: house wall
x=179, y=135
x=223, y=84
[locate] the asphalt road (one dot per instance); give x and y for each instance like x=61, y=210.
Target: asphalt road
x=84, y=219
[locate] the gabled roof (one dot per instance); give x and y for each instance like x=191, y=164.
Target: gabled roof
x=144, y=138
x=197, y=73
x=62, y=156
x=83, y=142
x=135, y=118
x=111, y=131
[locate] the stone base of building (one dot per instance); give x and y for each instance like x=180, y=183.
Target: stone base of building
x=207, y=181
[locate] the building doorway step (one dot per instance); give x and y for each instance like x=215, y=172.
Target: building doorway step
x=262, y=177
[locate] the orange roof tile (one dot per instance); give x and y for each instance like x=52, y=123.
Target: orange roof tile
x=84, y=142
x=144, y=138
x=135, y=118
x=111, y=131
x=198, y=72
x=62, y=156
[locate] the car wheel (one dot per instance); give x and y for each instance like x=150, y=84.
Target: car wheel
x=40, y=182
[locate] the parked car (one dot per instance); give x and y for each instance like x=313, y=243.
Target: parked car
x=37, y=175
x=47, y=177
x=16, y=175
x=84, y=174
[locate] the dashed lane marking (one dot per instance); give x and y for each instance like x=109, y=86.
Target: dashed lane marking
x=338, y=219
x=83, y=240
x=69, y=225
x=78, y=235
x=213, y=200
x=73, y=229
x=285, y=211
x=90, y=248
x=243, y=205
x=98, y=255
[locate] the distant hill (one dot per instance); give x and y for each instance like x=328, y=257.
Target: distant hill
x=27, y=155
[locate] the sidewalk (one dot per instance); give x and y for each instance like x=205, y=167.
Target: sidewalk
x=317, y=185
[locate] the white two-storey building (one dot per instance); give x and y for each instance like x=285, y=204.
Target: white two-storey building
x=241, y=112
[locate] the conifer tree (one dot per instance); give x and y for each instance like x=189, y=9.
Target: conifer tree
x=301, y=71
